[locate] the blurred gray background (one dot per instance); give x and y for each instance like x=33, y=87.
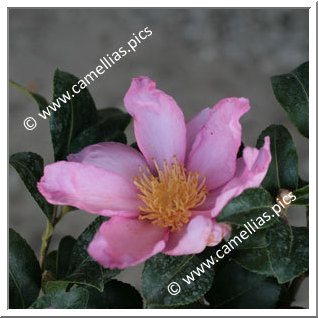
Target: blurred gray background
x=196, y=55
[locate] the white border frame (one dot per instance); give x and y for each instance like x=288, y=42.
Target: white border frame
x=312, y=161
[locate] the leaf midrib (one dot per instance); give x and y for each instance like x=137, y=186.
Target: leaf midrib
x=301, y=85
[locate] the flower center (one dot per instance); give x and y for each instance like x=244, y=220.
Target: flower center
x=169, y=196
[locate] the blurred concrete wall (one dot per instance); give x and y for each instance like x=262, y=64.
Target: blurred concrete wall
x=198, y=56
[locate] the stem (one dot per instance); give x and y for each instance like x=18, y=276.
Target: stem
x=47, y=235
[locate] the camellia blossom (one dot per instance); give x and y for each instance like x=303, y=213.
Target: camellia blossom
x=164, y=199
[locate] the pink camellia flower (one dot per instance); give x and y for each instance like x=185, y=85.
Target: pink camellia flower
x=166, y=198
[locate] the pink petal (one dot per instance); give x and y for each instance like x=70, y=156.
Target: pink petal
x=89, y=188
x=122, y=242
x=215, y=147
x=159, y=123
x=219, y=231
x=195, y=124
x=112, y=156
x=250, y=172
x=191, y=239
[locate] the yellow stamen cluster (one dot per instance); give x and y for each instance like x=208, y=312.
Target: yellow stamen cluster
x=170, y=195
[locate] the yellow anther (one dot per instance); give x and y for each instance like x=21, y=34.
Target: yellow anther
x=170, y=194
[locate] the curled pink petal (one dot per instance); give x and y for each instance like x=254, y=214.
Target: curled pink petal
x=89, y=188
x=122, y=242
x=250, y=172
x=112, y=156
x=159, y=124
x=219, y=231
x=216, y=145
x=191, y=239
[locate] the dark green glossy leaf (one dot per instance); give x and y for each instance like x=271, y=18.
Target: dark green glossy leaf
x=283, y=169
x=302, y=196
x=116, y=295
x=50, y=262
x=105, y=113
x=24, y=272
x=162, y=270
x=292, y=92
x=79, y=253
x=288, y=251
x=111, y=128
x=75, y=299
x=40, y=100
x=54, y=285
x=64, y=255
x=29, y=166
x=234, y=287
x=82, y=269
x=252, y=253
x=88, y=273
x=255, y=240
x=285, y=257
x=255, y=260
x=252, y=204
x=73, y=117
x=81, y=260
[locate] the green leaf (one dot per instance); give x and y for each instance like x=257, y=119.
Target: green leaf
x=50, y=262
x=87, y=273
x=64, y=255
x=162, y=270
x=255, y=240
x=236, y=288
x=255, y=260
x=292, y=92
x=68, y=121
x=75, y=299
x=40, y=100
x=29, y=166
x=109, y=128
x=285, y=257
x=105, y=113
x=82, y=269
x=24, y=272
x=288, y=251
x=252, y=254
x=81, y=263
x=79, y=253
x=283, y=169
x=55, y=285
x=252, y=204
x=302, y=196
x=116, y=295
